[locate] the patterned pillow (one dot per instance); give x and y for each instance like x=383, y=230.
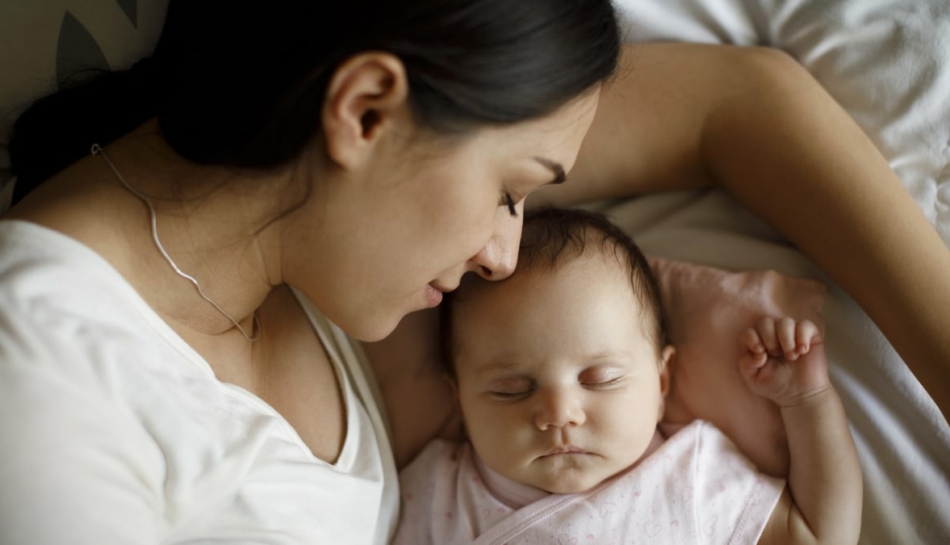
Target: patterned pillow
x=45, y=42
x=707, y=309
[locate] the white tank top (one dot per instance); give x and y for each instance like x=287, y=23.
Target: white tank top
x=114, y=430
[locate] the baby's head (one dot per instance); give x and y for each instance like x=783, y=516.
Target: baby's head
x=561, y=370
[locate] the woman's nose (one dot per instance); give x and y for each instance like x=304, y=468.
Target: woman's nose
x=498, y=258
x=559, y=409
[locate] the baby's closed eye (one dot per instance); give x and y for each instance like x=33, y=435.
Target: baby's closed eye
x=601, y=377
x=511, y=387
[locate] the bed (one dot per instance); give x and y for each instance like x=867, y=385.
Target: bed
x=886, y=61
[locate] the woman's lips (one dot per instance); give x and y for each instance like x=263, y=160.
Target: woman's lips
x=433, y=296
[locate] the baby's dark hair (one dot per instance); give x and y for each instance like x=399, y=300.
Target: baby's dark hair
x=553, y=236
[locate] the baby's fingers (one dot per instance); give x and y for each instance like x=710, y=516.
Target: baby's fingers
x=752, y=342
x=785, y=331
x=804, y=334
x=766, y=332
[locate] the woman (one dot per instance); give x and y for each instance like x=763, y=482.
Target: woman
x=161, y=380
x=186, y=231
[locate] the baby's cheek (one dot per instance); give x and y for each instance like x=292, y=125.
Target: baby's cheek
x=629, y=427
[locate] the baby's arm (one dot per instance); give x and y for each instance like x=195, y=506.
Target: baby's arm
x=784, y=361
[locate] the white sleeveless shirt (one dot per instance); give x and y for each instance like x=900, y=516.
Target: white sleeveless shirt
x=114, y=430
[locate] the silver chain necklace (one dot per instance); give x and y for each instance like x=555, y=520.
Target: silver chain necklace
x=98, y=151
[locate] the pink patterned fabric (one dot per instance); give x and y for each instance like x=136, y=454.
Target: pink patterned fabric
x=694, y=487
x=707, y=310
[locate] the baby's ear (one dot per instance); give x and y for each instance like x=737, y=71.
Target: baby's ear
x=667, y=361
x=453, y=385
x=454, y=428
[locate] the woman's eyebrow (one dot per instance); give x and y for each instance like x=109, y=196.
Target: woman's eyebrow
x=559, y=175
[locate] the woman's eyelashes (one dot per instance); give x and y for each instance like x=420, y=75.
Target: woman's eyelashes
x=510, y=203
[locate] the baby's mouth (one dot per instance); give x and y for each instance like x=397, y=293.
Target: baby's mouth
x=564, y=449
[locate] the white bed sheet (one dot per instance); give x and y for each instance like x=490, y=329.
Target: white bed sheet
x=888, y=63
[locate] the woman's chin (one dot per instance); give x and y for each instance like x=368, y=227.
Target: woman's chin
x=373, y=329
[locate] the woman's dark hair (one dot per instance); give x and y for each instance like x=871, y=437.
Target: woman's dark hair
x=553, y=236
x=241, y=83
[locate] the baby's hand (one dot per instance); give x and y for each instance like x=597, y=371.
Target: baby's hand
x=784, y=360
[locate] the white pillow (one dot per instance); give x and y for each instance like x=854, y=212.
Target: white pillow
x=887, y=62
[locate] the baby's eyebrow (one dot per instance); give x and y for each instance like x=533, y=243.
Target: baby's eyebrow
x=560, y=176
x=607, y=355
x=498, y=366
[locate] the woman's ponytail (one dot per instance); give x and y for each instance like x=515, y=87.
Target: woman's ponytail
x=59, y=129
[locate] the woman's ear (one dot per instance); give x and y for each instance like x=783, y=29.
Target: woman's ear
x=667, y=361
x=365, y=96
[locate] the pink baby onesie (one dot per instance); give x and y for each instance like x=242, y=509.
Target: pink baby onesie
x=694, y=487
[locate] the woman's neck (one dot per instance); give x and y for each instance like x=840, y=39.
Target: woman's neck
x=209, y=220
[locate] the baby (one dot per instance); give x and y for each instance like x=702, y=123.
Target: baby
x=561, y=372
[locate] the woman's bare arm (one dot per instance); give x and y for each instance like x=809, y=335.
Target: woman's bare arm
x=754, y=122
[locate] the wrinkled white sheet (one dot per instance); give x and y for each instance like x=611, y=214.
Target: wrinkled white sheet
x=887, y=62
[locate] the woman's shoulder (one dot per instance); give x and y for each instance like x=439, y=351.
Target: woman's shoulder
x=77, y=343
x=63, y=304
x=44, y=270
x=100, y=411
